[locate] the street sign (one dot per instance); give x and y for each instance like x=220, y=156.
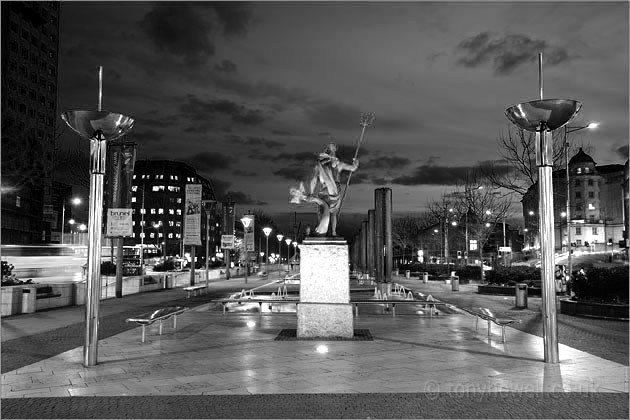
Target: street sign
x=505, y=249
x=227, y=241
x=119, y=222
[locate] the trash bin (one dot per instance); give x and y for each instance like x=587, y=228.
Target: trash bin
x=168, y=281
x=425, y=277
x=455, y=283
x=407, y=273
x=521, y=295
x=28, y=300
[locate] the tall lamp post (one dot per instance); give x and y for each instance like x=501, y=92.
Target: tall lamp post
x=246, y=221
x=288, y=241
x=99, y=127
x=542, y=117
x=267, y=232
x=75, y=201
x=568, y=130
x=280, y=236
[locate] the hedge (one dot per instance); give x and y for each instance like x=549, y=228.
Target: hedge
x=604, y=285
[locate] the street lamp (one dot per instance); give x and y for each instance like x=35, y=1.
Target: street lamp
x=267, y=231
x=542, y=117
x=568, y=130
x=75, y=201
x=280, y=236
x=246, y=221
x=288, y=241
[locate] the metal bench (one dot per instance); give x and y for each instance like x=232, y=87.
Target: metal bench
x=430, y=303
x=260, y=302
x=487, y=315
x=158, y=315
x=194, y=289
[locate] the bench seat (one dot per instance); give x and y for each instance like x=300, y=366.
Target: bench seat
x=194, y=289
x=490, y=316
x=159, y=315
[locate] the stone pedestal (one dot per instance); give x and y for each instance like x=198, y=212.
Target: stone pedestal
x=324, y=309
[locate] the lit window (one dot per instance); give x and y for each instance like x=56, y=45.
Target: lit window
x=152, y=235
x=177, y=235
x=170, y=235
x=579, y=170
x=158, y=188
x=18, y=201
x=171, y=223
x=179, y=212
x=133, y=223
x=152, y=211
x=179, y=200
x=160, y=211
x=591, y=206
x=134, y=177
x=143, y=211
x=134, y=188
x=142, y=235
x=586, y=170
x=171, y=211
x=178, y=224
x=176, y=178
x=133, y=199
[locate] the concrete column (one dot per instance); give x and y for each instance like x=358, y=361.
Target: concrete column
x=371, y=240
x=383, y=216
x=363, y=246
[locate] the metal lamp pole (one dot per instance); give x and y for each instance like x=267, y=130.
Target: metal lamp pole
x=267, y=231
x=544, y=116
x=280, y=236
x=288, y=241
x=99, y=127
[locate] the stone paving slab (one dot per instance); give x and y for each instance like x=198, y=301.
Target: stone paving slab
x=429, y=405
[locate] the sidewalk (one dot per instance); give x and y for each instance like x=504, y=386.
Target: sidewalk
x=232, y=366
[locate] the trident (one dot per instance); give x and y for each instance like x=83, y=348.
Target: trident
x=367, y=118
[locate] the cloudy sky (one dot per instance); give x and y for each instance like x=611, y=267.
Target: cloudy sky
x=248, y=93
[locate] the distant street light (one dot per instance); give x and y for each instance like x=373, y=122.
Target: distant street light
x=288, y=241
x=267, y=231
x=246, y=221
x=280, y=236
x=75, y=201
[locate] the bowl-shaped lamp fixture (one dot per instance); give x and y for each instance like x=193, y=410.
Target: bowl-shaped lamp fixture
x=553, y=113
x=89, y=124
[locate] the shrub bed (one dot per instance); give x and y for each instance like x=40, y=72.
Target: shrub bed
x=434, y=270
x=601, y=285
x=513, y=275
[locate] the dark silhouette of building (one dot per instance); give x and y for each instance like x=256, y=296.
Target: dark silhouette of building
x=30, y=43
x=161, y=186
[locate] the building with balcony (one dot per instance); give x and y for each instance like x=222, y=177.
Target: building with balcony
x=158, y=203
x=596, y=206
x=30, y=44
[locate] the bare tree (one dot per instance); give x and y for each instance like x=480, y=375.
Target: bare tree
x=407, y=230
x=446, y=211
x=516, y=170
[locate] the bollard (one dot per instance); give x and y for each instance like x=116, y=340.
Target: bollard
x=521, y=295
x=169, y=281
x=407, y=273
x=425, y=277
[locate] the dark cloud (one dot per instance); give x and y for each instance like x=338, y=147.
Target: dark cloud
x=219, y=186
x=507, y=53
x=359, y=177
x=386, y=162
x=281, y=133
x=208, y=162
x=295, y=172
x=202, y=111
x=623, y=151
x=261, y=141
x=435, y=175
x=146, y=135
x=226, y=66
x=240, y=172
x=188, y=29
x=240, y=197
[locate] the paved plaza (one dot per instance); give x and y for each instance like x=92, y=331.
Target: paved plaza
x=232, y=366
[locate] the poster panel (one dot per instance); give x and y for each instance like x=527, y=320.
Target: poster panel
x=192, y=216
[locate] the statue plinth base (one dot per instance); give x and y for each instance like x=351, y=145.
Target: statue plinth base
x=324, y=309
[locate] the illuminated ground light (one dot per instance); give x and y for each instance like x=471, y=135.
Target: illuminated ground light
x=322, y=349
x=251, y=324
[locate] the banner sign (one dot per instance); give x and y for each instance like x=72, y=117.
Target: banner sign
x=248, y=236
x=119, y=222
x=249, y=241
x=227, y=241
x=192, y=218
